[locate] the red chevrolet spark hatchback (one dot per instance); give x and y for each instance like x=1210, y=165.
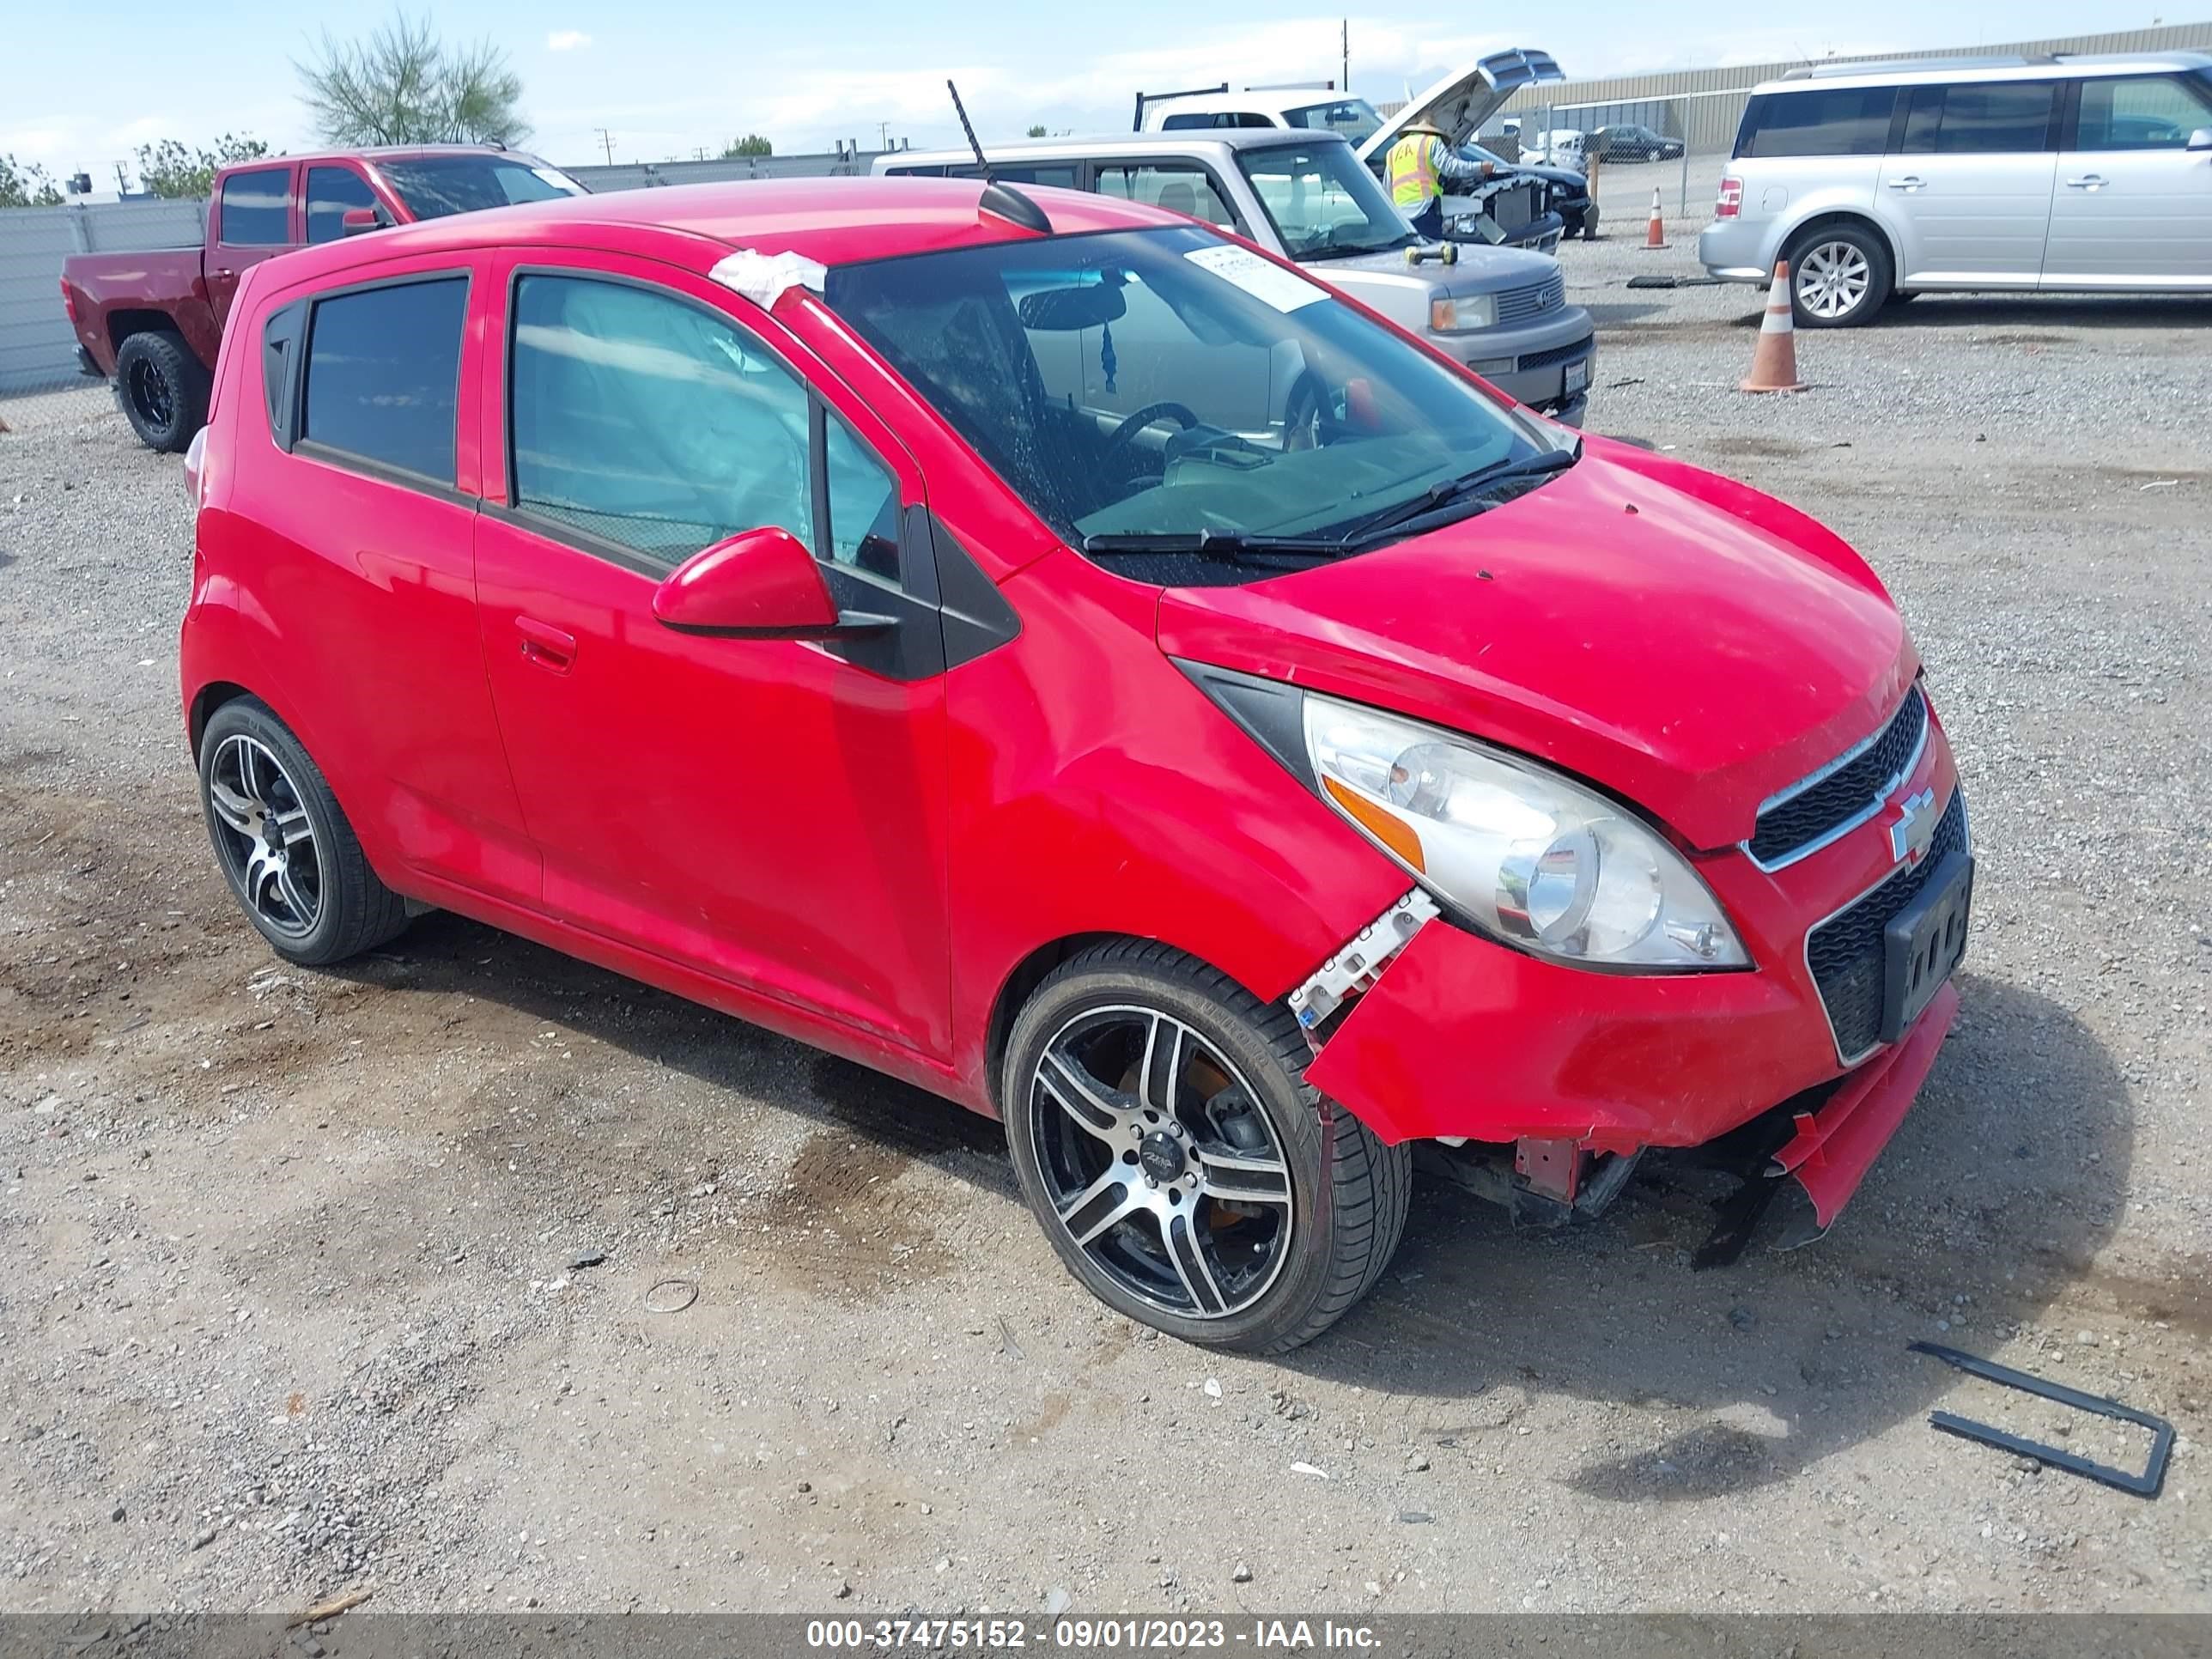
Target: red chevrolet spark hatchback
x=1038, y=647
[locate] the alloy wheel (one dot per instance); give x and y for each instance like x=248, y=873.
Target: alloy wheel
x=1160, y=1163
x=1833, y=279
x=266, y=838
x=150, y=394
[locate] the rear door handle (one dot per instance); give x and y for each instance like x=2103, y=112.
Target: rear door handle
x=546, y=645
x=2087, y=181
x=1910, y=181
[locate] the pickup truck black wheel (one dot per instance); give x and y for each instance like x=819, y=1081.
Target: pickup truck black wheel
x=292, y=860
x=163, y=389
x=1164, y=1133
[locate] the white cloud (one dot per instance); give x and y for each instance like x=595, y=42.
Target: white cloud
x=566, y=40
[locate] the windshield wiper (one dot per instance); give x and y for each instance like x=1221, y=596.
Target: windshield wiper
x=1466, y=487
x=1232, y=544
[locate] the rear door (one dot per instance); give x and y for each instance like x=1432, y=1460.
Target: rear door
x=256, y=215
x=1967, y=190
x=2134, y=205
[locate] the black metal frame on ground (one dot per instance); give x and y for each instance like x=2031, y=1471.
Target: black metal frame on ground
x=2146, y=1485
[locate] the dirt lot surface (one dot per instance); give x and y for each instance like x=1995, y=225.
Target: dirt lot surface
x=291, y=1303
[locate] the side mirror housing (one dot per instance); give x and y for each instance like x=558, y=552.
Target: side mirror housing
x=2201, y=139
x=357, y=220
x=759, y=584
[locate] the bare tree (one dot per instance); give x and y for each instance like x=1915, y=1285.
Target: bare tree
x=401, y=85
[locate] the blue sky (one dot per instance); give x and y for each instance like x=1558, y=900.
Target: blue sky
x=668, y=77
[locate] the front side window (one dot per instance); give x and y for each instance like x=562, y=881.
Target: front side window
x=1981, y=118
x=1324, y=204
x=331, y=192
x=649, y=422
x=1828, y=121
x=384, y=369
x=2143, y=111
x=1166, y=384
x=1352, y=119
x=1179, y=189
x=256, y=210
x=434, y=186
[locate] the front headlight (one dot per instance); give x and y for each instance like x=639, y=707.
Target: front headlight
x=1538, y=860
x=1448, y=315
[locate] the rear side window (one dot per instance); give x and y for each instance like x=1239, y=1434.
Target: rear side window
x=256, y=209
x=331, y=193
x=384, y=370
x=1821, y=121
x=1984, y=118
x=1180, y=189
x=2141, y=111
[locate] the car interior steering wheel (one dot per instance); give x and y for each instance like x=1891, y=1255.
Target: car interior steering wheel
x=1136, y=422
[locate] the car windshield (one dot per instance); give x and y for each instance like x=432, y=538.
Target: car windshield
x=1352, y=119
x=432, y=186
x=1163, y=396
x=1325, y=205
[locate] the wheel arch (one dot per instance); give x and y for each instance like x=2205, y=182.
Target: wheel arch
x=1013, y=994
x=124, y=323
x=1831, y=217
x=208, y=698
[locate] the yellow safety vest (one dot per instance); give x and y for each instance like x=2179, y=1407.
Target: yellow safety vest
x=1414, y=179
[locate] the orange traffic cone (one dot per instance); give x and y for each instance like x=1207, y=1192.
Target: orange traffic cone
x=1657, y=236
x=1774, y=361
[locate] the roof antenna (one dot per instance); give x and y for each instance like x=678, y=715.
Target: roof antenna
x=1004, y=200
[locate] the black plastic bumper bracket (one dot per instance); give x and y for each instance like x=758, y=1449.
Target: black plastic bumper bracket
x=2145, y=1485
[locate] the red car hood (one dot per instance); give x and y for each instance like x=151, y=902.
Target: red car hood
x=1674, y=635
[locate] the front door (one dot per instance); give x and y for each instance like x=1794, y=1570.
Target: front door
x=2134, y=205
x=1968, y=193
x=770, y=812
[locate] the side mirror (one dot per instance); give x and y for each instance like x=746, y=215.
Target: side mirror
x=2201, y=139
x=357, y=220
x=759, y=584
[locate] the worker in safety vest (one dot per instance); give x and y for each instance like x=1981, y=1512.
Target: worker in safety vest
x=1420, y=161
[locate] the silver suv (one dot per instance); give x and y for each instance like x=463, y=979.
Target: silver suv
x=1879, y=181
x=1305, y=196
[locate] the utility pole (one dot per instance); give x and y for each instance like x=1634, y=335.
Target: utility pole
x=884, y=131
x=122, y=183
x=608, y=139
x=1343, y=44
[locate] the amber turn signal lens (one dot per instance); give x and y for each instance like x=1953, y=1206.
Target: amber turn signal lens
x=1385, y=827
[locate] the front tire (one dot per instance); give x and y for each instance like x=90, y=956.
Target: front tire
x=163, y=389
x=1839, y=277
x=283, y=844
x=1164, y=1135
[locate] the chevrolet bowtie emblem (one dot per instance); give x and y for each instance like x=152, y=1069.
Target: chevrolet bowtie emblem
x=1914, y=830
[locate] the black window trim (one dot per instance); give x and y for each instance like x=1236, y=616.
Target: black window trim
x=290, y=170
x=444, y=489
x=1091, y=166
x=2066, y=90
x=307, y=172
x=2069, y=134
x=913, y=581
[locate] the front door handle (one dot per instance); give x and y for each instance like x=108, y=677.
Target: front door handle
x=1910, y=181
x=2087, y=181
x=546, y=645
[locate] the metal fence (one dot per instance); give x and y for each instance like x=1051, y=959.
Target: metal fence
x=1678, y=146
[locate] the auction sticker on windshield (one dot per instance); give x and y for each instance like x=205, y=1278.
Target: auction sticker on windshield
x=1270, y=284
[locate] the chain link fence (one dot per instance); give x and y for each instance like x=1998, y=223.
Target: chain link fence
x=38, y=348
x=1678, y=146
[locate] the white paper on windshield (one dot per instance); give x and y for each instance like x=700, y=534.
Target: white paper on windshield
x=560, y=181
x=1267, y=283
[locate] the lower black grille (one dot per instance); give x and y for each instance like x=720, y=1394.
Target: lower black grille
x=1846, y=952
x=1789, y=826
x=1565, y=353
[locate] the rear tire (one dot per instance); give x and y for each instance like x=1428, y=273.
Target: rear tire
x=163, y=389
x=1840, y=276
x=293, y=862
x=1201, y=1186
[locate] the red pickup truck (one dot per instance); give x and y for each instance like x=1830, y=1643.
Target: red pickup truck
x=151, y=322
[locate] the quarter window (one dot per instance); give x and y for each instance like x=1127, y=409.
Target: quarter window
x=1830, y=121
x=384, y=369
x=2141, y=112
x=656, y=425
x=863, y=505
x=1983, y=118
x=331, y=193
x=256, y=209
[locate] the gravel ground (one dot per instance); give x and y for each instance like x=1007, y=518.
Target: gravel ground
x=297, y=1296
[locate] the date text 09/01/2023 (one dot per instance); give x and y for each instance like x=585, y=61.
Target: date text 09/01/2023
x=1281, y=1635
